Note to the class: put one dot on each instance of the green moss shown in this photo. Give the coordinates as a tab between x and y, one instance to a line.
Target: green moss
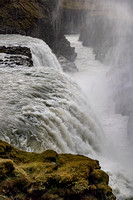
49	175
6	168
98	176
18	156
2	197
49	155
105	192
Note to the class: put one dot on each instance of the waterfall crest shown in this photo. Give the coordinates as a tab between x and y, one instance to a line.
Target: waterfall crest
41	53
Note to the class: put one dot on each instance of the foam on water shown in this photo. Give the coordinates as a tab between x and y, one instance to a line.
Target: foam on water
37	46
42	108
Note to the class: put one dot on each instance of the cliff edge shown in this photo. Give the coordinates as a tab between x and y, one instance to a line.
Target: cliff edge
50	176
36	18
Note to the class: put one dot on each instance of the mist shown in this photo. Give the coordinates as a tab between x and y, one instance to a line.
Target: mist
105	66
110	33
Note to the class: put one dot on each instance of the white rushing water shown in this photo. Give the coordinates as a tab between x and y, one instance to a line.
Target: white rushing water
37	46
95	80
42	108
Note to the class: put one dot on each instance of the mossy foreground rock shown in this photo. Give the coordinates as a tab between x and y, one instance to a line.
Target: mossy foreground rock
50	176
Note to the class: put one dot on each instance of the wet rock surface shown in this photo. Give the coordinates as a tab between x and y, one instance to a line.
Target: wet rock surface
15	56
67	65
35	18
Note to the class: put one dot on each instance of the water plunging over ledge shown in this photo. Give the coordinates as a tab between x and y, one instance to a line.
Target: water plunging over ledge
43	108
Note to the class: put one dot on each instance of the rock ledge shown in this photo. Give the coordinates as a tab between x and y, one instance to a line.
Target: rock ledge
15	56
50	176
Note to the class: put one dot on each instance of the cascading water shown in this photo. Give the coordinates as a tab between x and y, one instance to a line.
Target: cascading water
42	108
38	49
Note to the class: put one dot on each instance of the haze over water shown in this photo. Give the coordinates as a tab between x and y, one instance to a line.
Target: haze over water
109	86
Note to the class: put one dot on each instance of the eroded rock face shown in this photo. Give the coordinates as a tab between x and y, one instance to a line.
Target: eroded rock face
50	176
15	56
67	65
36	18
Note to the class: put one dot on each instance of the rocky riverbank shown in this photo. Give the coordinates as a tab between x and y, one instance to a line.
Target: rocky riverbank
50	176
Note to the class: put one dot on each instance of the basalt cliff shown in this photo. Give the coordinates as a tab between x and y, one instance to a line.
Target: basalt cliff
36	18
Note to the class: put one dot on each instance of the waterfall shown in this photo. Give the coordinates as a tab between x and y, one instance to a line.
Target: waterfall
42	108
37	47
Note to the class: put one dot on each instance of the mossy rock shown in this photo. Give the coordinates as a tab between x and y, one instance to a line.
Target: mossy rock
98	176
6	168
50	155
105	192
50	176
4	148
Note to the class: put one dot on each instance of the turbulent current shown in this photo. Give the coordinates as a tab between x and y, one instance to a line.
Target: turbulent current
43	108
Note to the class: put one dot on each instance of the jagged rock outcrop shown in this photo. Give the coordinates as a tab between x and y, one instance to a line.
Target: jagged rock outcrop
67	65
36	18
50	176
15	56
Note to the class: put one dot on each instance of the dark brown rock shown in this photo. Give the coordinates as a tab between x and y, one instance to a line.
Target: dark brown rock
16	56
36	18
67	65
